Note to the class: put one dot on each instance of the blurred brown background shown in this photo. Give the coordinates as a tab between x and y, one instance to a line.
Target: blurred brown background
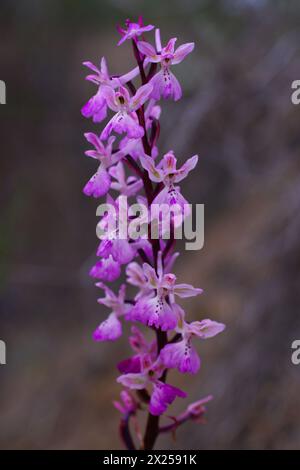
57	386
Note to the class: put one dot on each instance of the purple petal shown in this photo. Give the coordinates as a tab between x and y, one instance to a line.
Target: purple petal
206	328
162	396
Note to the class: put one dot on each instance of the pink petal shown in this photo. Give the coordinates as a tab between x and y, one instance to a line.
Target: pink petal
156	312
169	49
122	251
155	174
182	51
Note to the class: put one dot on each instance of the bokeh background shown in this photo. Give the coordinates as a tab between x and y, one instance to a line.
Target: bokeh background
236	113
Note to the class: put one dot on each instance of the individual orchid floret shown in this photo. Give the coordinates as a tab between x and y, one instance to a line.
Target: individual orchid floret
167	173
125	120
162	394
99	183
111	328
182	355
165	84
126	186
194	412
96	106
133	30
155	310
142	237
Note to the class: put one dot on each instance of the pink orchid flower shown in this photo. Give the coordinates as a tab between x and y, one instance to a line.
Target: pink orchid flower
182	355
154	310
111	328
167	173
125	120
99	184
164	82
127	403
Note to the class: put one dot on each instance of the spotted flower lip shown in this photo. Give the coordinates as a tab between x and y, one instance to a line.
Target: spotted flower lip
153	309
133	30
